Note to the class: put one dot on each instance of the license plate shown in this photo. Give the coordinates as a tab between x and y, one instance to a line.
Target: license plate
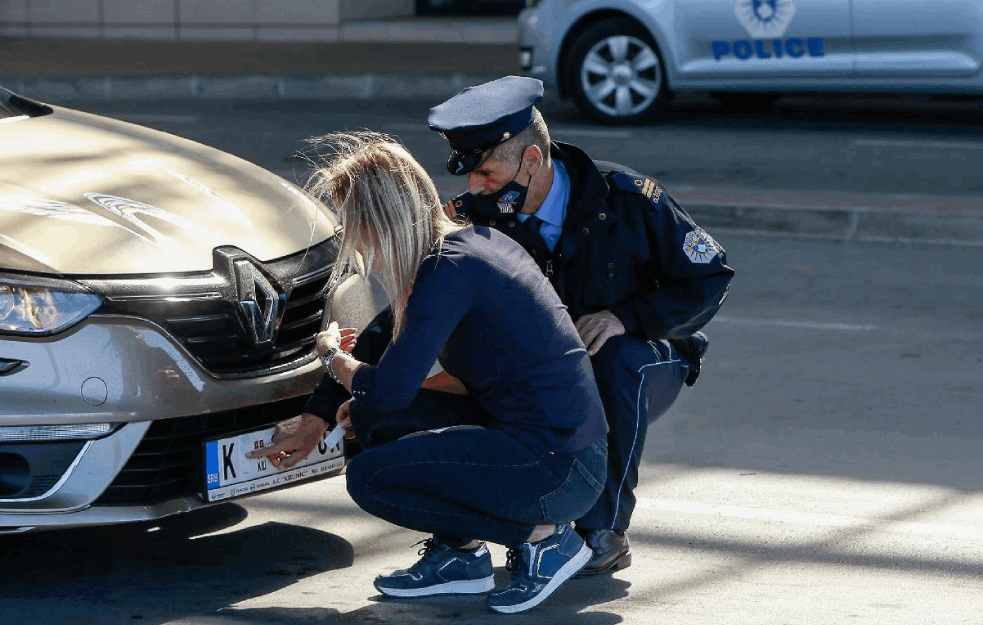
229	473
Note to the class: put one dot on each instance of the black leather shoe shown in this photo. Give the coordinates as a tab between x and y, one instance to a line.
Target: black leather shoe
611	552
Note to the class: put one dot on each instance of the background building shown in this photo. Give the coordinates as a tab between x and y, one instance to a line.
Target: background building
227	20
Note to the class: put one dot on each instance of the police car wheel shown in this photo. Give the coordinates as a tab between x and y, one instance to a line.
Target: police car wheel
616	74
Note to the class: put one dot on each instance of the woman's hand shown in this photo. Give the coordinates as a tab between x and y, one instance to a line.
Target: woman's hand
293	440
333	336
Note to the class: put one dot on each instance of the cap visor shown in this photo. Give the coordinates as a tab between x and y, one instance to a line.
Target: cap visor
460	164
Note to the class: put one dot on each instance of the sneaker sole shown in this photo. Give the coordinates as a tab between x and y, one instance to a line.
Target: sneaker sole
469	587
566	572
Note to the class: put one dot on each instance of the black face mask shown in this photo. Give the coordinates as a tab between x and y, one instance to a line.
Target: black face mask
507	200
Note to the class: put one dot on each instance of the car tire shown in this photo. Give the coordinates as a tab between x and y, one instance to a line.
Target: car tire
746	102
616	74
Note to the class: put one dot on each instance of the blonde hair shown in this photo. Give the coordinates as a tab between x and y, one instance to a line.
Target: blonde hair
388	207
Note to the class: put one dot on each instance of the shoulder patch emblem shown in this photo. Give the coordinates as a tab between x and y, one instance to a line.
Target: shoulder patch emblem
649	189
506	203
699	247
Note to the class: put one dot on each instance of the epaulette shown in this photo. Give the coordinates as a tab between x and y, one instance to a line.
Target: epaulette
458	204
639	184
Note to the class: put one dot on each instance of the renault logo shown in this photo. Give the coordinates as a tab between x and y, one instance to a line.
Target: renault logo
261	304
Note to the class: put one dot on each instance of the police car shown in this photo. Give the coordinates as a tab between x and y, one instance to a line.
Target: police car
621	59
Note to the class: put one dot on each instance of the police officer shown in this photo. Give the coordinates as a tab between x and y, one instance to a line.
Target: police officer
638	276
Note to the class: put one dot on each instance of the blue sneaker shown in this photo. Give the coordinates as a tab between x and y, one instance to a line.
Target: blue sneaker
441	571
538	569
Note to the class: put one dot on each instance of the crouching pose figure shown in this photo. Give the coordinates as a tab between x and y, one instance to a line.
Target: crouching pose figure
524	452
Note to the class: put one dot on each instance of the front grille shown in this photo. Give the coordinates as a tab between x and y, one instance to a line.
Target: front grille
170	463
213	333
206	314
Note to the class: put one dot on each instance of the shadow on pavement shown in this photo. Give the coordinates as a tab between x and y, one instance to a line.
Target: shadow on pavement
565	606
828	547
155	573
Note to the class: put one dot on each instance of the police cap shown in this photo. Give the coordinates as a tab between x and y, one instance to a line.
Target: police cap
481	117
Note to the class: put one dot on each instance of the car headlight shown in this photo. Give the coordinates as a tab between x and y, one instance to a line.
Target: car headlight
43	307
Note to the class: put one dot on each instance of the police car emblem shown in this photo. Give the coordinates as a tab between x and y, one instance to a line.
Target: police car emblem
699	247
764	19
506	203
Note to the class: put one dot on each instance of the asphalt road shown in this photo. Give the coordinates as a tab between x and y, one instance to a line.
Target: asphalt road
824	470
833	144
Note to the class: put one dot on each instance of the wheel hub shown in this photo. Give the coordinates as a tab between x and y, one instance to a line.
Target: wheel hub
622	74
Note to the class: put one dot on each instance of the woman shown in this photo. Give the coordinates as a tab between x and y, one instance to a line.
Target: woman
475	300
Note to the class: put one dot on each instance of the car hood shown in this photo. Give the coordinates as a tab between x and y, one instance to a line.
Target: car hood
82	194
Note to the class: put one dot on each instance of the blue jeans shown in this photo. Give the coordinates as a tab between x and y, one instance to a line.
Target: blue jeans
638	381
466	483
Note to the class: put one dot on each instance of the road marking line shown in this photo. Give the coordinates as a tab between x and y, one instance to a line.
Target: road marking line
149	118
889	143
815	236
815	519
813	325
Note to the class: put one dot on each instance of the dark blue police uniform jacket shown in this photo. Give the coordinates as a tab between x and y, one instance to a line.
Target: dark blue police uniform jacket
626	246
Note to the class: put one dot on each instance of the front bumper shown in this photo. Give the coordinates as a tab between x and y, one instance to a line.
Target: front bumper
128	372
131	372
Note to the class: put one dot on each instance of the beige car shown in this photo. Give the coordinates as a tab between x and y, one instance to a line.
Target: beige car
158	306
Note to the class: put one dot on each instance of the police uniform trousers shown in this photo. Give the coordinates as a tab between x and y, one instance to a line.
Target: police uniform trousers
638	380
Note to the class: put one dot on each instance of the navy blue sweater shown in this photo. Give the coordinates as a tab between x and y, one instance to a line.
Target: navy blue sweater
483	308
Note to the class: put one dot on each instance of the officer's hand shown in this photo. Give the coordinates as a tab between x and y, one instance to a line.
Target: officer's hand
344	419
293	440
596	328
